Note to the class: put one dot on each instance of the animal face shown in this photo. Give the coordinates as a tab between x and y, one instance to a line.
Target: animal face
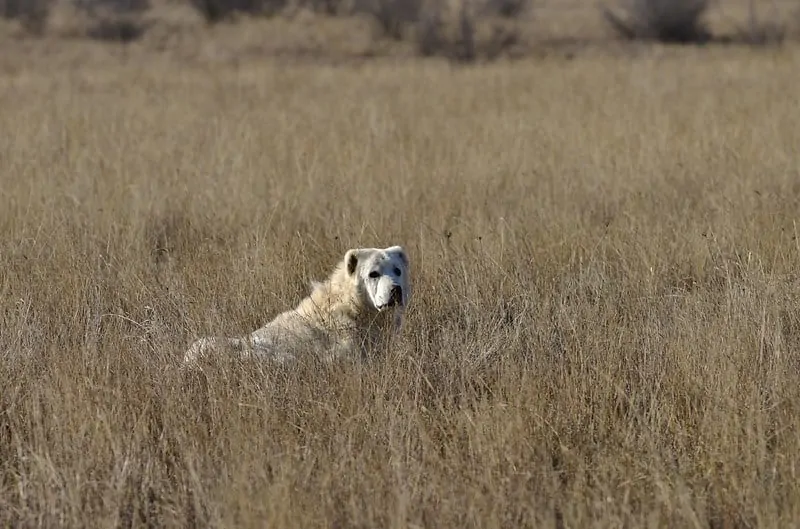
382	276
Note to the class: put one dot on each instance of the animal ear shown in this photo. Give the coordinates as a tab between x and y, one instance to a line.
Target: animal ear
351	261
399	252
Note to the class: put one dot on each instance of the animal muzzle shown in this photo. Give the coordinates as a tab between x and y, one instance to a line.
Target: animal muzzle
396	297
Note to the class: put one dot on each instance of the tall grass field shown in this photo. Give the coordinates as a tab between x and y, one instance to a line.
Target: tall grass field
605	258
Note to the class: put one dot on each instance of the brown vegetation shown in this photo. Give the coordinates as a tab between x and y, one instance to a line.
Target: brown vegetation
459	30
605	254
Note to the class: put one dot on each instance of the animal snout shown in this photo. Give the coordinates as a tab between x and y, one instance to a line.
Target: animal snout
396	297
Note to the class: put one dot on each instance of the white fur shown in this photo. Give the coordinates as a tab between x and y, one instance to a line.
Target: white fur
344	316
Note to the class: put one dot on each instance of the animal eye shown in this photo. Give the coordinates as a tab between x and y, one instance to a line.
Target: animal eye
373	274
397	271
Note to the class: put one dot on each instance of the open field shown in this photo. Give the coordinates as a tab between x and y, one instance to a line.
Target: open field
606	315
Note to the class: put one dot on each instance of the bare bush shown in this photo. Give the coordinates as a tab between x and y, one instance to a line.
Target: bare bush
326	7
31	14
678	21
429	36
121	30
465	41
218	10
112	20
459	31
463	36
506	8
115	6
394	17
760	32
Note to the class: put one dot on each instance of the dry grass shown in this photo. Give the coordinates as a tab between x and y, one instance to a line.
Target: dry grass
606	318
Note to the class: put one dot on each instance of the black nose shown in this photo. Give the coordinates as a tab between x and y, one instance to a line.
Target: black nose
397	296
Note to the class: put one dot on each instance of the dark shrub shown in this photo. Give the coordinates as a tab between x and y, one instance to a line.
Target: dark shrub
32	14
679	21
217	10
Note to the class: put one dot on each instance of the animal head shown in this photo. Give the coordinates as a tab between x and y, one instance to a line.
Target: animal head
381	276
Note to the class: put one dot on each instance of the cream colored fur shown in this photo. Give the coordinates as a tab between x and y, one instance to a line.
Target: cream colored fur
345	316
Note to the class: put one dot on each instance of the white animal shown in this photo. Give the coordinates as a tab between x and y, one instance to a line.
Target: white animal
355	309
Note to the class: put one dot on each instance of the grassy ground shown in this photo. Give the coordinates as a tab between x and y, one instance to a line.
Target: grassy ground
606	314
